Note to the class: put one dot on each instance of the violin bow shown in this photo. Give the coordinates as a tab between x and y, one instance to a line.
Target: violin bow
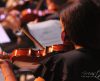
32	38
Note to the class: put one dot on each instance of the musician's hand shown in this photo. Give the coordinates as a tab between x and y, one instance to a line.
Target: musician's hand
39	79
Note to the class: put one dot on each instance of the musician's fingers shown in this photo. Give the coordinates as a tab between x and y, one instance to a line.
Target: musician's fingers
39	79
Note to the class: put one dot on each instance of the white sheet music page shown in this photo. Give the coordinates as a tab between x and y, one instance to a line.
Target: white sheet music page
47	33
4	38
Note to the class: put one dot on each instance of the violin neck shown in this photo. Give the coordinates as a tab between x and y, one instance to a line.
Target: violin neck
37	43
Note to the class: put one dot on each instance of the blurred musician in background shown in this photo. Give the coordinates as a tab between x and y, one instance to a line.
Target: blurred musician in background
11	25
54	7
20	4
52	11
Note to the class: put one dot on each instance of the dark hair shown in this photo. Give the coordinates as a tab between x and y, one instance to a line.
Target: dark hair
81	20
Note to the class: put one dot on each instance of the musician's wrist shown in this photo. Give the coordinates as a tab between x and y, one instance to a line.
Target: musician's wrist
39	79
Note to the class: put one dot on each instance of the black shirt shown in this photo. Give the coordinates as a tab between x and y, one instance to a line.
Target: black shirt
77	65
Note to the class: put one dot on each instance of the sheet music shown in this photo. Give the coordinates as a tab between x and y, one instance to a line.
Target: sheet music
47	33
4	38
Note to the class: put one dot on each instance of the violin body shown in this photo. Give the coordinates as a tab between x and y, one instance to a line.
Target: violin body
22	55
28	15
27	57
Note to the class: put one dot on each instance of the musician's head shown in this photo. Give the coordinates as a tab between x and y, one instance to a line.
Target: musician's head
81	22
55	5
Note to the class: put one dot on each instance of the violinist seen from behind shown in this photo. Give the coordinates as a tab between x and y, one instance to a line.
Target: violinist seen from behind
81	21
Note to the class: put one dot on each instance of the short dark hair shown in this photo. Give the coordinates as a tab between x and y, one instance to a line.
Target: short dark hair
81	20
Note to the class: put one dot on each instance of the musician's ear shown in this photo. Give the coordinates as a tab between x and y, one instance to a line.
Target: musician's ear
39	79
63	31
62	25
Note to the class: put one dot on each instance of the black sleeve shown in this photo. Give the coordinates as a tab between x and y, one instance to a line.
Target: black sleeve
54	69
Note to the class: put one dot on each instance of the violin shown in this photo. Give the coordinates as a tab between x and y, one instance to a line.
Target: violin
24	54
27	58
32	55
28	15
